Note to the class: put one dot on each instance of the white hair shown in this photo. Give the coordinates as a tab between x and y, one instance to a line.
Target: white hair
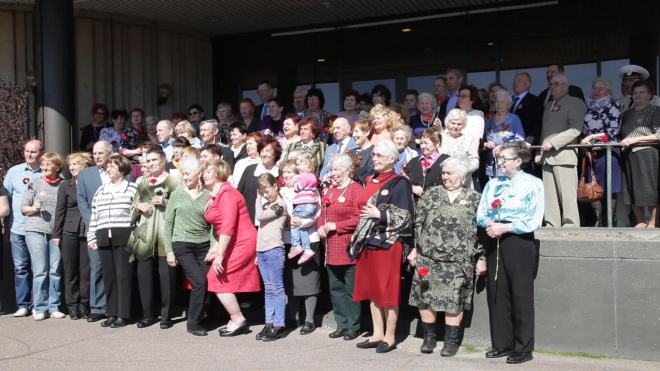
390	149
506	95
189	163
342	161
460	164
456	113
428	96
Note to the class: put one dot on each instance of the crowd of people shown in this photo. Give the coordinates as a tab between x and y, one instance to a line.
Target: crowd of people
431	190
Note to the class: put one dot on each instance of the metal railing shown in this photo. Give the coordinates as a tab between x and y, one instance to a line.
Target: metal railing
608	166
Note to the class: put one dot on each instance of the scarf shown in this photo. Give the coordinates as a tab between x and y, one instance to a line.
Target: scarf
598	104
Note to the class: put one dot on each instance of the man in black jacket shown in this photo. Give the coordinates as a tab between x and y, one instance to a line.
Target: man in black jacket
573	91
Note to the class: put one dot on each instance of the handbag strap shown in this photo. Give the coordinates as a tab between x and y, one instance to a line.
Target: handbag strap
591	164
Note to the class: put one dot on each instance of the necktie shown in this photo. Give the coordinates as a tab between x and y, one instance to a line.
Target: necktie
339	145
630	101
265	112
513	106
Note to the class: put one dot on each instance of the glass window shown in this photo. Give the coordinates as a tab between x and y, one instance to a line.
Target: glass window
331	95
423	84
481	79
611	69
583	76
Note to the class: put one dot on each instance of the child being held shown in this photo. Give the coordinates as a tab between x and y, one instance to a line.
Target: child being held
305	203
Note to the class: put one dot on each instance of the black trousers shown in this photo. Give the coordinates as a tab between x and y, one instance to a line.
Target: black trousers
146	270
511	297
191	259
75	263
117	278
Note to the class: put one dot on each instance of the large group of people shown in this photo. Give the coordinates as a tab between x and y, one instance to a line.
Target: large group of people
267	200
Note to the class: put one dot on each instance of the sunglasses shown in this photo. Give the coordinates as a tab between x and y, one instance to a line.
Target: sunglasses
193	113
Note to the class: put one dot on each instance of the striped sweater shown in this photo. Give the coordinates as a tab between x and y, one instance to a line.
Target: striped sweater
111	208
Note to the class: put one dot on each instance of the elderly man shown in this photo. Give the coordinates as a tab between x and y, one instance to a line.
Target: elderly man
528	107
16	182
208	132
164	133
630	74
558	69
563	119
343	142
266	93
299	101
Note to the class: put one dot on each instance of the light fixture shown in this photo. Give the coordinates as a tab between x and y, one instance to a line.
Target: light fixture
320	60
491	44
31	79
164	93
406	30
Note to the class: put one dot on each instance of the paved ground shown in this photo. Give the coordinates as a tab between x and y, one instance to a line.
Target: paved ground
78	345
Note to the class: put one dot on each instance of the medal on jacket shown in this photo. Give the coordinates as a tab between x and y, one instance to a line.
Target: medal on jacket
341	199
384	192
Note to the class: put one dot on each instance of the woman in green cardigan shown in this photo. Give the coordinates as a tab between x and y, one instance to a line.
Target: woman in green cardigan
187	234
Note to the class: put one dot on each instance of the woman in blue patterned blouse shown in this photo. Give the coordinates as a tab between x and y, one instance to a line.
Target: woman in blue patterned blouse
500	127
601	124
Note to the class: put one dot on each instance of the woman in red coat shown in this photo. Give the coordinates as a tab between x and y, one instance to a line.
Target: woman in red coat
234	254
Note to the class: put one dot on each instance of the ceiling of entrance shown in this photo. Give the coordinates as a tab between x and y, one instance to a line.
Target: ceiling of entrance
221	17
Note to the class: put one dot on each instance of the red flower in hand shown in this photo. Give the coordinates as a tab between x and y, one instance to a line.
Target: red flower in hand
153	181
496	203
423	271
603	138
426	164
26	180
325	200
427	117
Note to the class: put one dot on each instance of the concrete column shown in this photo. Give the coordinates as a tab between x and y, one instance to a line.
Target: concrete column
55	71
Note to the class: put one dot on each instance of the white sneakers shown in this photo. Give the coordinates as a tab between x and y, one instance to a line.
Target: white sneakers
39	316
22	312
57	314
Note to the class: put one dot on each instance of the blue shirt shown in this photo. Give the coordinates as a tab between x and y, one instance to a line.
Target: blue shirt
15	185
522	202
452	102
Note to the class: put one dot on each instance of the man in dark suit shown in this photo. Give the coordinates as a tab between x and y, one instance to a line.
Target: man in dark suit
573	91
266	93
454	80
89	181
528	107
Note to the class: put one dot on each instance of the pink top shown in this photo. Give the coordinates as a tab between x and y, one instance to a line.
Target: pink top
305	186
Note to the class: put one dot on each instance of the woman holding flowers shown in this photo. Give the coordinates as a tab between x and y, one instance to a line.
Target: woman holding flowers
511	209
445	254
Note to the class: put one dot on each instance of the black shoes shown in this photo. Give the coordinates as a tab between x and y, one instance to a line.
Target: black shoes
166	323
107	323
307	328
84	313
337	333
118	323
368	344
453	339
242	329
383	347
198	332
274	333
260	335
351	334
429	338
75	314
499	352
519	357
94	317
147	322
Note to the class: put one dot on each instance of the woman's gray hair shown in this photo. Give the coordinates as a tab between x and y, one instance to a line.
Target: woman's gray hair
605	81
226	106
189	163
342	161
390	149
457	114
407	131
460	164
428	96
151	119
506	95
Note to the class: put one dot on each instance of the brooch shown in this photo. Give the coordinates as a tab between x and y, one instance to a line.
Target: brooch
519	106
384	192
555	108
463	202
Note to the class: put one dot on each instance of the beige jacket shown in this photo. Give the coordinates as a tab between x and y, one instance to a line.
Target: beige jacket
562	124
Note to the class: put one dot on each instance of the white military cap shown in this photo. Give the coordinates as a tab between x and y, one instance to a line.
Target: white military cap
632	71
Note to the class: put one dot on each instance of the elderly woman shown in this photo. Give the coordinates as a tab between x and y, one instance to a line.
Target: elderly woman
455	143
339	219
402	136
362	132
246	108
39	203
446	251
272	123
601	124
474	126
269	153
225	115
185	129
510	210
427	116
350	111
109	229
290	128
252	150
379	242
425	171
187	236
152	122
315	104
383	122
309	128
640	163
147	242
500	127
114	134
69	235
234	254
90	133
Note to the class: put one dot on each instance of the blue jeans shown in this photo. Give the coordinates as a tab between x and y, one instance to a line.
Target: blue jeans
271	267
22	271
46	267
300	235
97	297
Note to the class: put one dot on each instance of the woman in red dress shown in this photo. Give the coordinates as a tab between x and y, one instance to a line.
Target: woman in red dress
234	254
378	243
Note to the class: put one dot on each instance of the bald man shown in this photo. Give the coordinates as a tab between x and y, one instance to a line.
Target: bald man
165	135
16	182
341	129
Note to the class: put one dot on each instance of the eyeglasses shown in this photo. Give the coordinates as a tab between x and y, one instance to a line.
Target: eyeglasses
550	86
377	155
193	113
503	159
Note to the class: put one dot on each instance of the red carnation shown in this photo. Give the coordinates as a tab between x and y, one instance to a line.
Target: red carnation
26	180
496	203
489	115
125	136
325	200
427	117
153	181
176	159
326	128
426	163
441	100
603	138
423	271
